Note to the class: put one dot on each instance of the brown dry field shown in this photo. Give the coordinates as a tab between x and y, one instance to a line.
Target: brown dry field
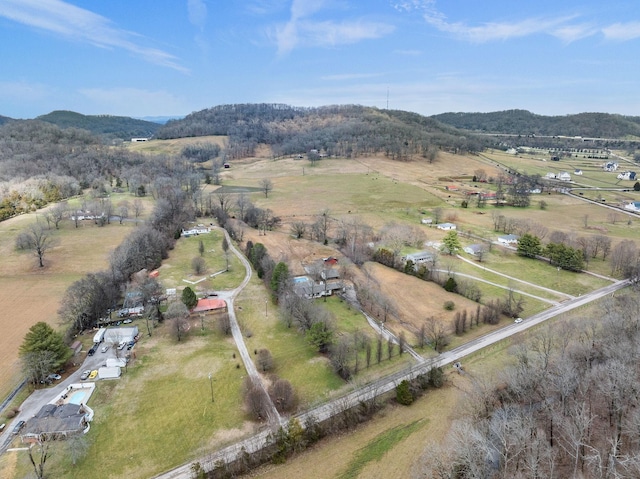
332	456
29	294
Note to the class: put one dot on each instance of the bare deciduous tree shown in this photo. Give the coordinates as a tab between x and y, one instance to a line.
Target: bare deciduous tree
37	239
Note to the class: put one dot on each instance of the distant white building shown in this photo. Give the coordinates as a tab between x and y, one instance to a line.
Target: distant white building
633	206
138	140
475	249
446	226
419	257
508	239
627	175
564	176
577	172
426	221
610	166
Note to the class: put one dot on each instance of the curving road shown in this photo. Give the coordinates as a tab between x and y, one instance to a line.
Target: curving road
274	417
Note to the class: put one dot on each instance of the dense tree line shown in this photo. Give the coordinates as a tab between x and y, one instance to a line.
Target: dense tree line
88	299
347	131
42	163
567	408
104	126
522	122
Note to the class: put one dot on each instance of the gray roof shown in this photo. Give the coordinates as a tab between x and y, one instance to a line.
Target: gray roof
51	419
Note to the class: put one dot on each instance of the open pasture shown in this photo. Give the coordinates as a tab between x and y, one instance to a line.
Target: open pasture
30	294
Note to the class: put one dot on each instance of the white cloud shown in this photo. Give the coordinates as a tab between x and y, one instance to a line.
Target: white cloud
132	102
197	11
301	30
76	23
622	31
497	30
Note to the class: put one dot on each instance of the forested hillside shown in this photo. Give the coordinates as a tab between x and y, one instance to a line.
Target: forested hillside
522	122
347	130
5	119
41	163
108	126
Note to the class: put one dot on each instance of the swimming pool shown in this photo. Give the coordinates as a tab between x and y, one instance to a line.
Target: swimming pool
79	397
301	279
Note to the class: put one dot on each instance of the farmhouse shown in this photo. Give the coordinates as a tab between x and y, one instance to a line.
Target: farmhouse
54	422
426	221
419	257
627	175
508	239
210	305
474	249
446	226
633	206
564	176
610	166
195	231
311	290
550	176
577	172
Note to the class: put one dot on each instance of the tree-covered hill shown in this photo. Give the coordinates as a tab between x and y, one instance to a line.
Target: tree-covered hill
522	122
5	119
344	130
103	125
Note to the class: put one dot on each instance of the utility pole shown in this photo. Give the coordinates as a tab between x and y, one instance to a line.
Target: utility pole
211	383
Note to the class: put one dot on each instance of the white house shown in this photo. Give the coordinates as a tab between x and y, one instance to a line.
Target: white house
550	176
446	226
610	166
426	221
577	172
508	239
564	176
138	140
627	175
633	206
419	257
195	231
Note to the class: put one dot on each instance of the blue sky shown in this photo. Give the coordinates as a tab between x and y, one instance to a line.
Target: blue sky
151	58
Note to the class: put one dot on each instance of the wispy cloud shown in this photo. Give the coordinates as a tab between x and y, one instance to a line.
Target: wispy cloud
76	23
562	27
498	30
301	30
622	31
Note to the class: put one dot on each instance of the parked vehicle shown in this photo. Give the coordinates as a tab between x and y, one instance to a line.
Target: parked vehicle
93	374
105	348
127	321
518	320
54	377
85	374
93	349
19	425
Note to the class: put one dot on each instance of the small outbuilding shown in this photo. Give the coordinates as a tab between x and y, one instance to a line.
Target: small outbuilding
109	372
210	305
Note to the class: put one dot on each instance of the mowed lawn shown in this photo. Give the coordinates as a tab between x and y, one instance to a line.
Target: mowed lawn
160	413
30	294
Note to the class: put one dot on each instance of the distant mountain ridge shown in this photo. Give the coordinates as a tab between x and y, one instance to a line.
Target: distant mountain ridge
122	127
523	122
